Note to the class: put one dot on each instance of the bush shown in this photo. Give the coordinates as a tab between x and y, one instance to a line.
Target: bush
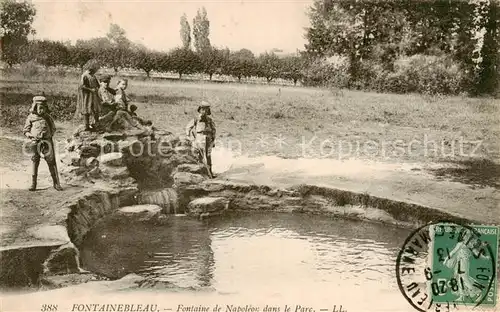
323	72
61	71
63	107
367	74
419	73
15	108
29	69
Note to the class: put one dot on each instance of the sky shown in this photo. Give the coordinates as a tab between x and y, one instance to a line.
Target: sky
257	25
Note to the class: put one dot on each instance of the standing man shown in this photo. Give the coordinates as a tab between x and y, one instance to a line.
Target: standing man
40	128
89	102
202	130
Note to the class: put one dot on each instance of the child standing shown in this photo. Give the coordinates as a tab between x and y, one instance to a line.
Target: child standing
40	128
88	97
202	129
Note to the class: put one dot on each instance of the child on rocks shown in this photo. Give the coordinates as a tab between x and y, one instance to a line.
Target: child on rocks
122	118
40	128
121	98
107	96
89	102
108	105
202	130
133	109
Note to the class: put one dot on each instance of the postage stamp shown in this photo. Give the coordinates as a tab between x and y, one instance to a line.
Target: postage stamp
443	266
463	264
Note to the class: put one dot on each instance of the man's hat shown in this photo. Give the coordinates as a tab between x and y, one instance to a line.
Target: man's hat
39	98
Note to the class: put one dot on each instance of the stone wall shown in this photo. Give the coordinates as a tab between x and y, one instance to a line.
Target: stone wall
213	198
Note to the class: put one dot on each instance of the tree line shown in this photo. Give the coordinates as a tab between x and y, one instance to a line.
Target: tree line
460	38
124	54
196	55
399	46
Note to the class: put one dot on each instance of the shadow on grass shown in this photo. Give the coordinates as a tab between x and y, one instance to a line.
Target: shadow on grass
480	172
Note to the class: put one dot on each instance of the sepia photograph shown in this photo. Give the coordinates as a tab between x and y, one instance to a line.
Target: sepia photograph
249	155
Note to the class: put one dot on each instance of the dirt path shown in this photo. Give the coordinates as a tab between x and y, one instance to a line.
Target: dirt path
20	208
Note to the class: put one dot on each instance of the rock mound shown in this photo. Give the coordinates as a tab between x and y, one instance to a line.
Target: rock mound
145	159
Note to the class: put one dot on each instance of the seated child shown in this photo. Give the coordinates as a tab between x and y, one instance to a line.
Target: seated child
107	96
121	97
133	113
122	118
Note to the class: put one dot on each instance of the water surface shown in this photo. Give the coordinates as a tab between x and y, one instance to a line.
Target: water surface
266	253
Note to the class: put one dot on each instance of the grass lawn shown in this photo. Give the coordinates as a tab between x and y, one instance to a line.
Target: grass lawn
297	122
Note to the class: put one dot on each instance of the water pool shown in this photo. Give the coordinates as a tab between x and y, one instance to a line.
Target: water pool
266	253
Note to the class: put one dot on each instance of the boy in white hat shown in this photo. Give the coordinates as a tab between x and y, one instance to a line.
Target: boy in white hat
202	130
40	128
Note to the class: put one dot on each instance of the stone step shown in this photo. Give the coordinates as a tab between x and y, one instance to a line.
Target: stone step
186	178
205	207
111	159
142	212
192	168
115	173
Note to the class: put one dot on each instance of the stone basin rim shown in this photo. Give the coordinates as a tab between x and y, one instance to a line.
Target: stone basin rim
298	191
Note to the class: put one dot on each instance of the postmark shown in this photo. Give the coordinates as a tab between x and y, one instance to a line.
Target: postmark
444	265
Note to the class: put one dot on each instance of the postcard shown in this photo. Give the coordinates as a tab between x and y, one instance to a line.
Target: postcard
249	156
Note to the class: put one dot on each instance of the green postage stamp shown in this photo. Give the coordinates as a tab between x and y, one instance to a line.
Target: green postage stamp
463	261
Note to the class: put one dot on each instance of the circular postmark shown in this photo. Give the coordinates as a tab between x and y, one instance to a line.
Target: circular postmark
443	265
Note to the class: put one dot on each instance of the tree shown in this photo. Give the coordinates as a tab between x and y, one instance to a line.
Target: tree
338	28
381	31
201	31
79	54
269	66
319	37
292	68
83	51
99	48
184	61
95	45
115	57
16	19
144	59
489	67
185	32
49	53
117	36
117	53
213	61
241	64
163	62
